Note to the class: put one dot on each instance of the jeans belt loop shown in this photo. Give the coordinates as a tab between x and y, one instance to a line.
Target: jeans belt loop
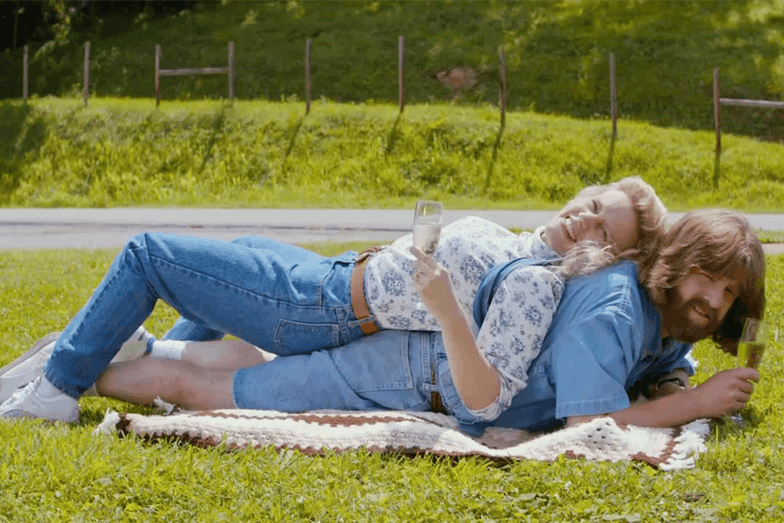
358	302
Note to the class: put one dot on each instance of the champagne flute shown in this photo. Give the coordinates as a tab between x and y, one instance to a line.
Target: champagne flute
427	226
751	345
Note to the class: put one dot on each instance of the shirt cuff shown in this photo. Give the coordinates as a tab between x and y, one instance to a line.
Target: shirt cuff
499	405
488	413
592	407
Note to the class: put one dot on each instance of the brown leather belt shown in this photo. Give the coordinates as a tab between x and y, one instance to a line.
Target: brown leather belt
436	403
358	302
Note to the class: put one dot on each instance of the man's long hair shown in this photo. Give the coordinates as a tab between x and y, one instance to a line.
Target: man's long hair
717	241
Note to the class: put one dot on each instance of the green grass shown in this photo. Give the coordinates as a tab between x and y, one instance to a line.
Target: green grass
64	473
124	152
556	55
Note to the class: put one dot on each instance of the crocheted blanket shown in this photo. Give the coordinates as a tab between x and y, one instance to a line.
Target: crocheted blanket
400	432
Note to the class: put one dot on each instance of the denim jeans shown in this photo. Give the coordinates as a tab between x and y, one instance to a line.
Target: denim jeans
387	370
283	298
392	369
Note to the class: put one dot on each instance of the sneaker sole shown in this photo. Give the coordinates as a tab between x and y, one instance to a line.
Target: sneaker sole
6	389
20	414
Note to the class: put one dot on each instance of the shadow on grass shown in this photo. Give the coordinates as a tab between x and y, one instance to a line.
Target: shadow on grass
23	131
609	165
293	139
491	166
217	131
393	136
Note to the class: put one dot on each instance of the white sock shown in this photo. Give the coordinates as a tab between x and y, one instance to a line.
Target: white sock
47	390
168	349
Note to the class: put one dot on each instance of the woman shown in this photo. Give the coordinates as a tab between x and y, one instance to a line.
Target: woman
298	303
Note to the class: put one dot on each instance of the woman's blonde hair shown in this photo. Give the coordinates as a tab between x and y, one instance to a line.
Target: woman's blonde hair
586	257
717	241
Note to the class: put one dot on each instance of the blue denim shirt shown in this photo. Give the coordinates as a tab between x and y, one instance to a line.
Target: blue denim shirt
604	338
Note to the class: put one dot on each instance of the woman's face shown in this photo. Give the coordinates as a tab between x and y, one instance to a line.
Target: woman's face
606	219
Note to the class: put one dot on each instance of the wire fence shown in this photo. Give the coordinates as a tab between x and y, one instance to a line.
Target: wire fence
459	79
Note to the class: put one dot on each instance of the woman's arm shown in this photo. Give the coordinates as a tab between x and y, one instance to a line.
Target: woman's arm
476	380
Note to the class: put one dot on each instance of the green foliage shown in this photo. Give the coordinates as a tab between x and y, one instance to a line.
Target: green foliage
65	473
556	55
270	154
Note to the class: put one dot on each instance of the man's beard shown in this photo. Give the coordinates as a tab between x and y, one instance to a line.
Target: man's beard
675	317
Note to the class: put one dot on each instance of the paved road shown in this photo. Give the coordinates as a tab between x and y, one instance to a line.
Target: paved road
96	228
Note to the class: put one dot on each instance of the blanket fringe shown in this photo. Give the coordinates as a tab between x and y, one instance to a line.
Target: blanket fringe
109	424
689	444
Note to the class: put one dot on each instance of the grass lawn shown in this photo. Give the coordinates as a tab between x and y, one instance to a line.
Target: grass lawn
256	154
64	473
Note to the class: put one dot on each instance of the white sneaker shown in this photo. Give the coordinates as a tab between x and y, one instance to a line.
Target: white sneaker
27	402
26	367
31	364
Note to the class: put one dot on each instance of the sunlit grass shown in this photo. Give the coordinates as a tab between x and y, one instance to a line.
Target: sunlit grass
64	473
264	154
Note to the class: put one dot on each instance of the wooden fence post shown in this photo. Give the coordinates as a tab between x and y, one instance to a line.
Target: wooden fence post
717	123
307	75
86	88
231	71
157	75
401	80
502	94
613	98
717	109
25	67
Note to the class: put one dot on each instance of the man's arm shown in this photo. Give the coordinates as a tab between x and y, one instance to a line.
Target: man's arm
724	393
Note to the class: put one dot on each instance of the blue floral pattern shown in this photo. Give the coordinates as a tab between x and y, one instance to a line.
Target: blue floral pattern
514	329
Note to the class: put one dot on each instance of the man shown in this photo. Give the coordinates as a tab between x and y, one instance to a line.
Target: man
626	325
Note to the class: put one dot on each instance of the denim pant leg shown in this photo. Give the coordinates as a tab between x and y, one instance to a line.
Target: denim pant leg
264	296
187	330
386	370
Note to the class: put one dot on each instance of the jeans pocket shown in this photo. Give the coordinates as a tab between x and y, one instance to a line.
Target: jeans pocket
376	363
294	337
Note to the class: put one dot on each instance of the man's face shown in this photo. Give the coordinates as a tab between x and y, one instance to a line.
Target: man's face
697	306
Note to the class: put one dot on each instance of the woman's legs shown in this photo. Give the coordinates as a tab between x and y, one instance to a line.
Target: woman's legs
224	354
282	298
142	381
188	330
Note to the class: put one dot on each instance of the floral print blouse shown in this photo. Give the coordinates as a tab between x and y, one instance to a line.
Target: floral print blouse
518	317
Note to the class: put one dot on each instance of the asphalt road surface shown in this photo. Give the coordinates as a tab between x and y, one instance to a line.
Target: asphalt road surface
103	228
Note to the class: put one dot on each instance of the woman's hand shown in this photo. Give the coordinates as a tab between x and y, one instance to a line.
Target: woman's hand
476	380
433	283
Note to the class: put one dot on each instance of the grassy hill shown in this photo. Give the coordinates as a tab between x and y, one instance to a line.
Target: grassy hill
556	55
125	152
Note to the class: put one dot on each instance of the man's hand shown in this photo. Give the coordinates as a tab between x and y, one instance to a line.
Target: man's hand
726	392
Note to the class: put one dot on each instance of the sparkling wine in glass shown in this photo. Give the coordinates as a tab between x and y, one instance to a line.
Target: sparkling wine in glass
427	226
751	345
